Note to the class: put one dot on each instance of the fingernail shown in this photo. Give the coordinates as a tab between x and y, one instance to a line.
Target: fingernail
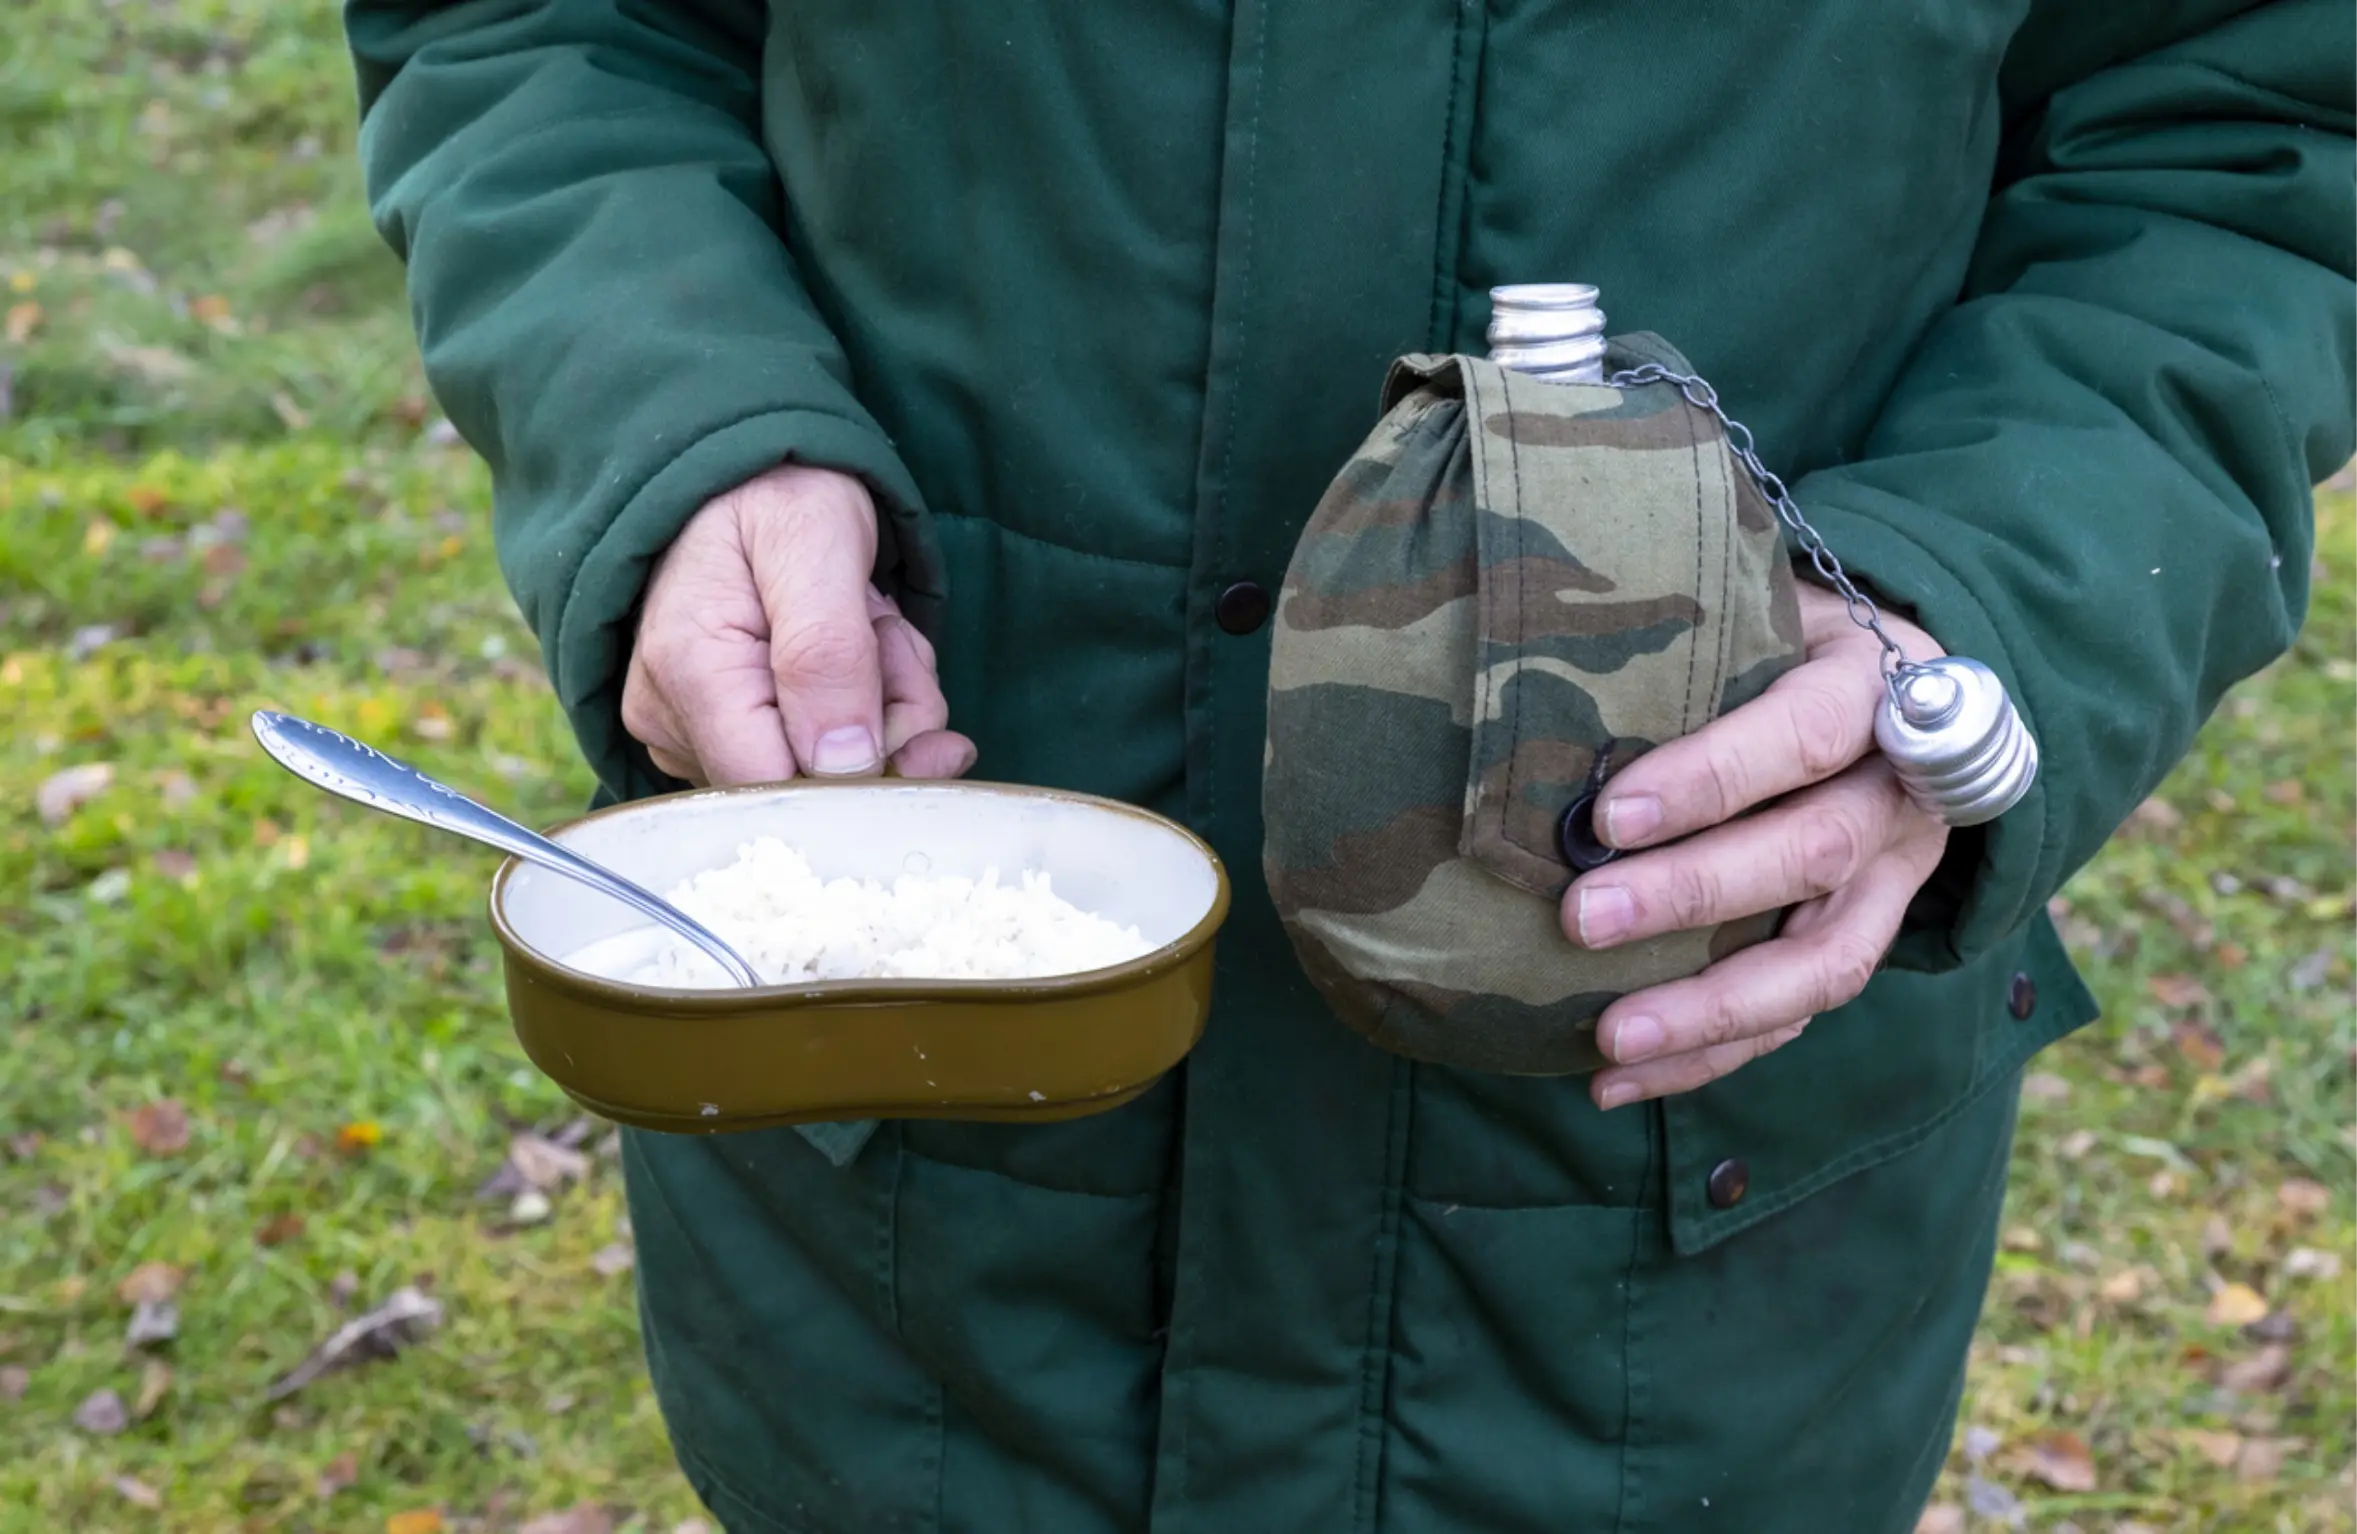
1630	819
844	753
1618	1094
1605	912
1637	1038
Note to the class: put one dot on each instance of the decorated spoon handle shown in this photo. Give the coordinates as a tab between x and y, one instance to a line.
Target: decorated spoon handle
334	761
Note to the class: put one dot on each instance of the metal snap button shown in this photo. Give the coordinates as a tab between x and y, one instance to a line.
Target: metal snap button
1729	1181
1243	607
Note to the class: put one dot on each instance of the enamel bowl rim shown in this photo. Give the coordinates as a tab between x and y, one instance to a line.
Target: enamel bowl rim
701	1002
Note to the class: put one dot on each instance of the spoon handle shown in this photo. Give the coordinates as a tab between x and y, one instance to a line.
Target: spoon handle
334	761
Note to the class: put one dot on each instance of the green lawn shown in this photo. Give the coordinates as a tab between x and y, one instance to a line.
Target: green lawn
221	487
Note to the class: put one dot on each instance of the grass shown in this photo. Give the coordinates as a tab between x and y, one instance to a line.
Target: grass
221	488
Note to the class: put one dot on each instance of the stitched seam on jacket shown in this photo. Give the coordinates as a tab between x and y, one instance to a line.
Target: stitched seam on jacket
1062	548
1375	1353
1635	1392
1440	328
714	1488
936	1402
1175	1390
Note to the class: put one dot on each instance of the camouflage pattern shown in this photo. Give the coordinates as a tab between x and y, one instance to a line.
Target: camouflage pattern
1508	577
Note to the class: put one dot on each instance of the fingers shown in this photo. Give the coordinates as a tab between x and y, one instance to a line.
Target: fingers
913	704
1810	724
698	692
1812	844
1683	1073
1674	1037
811	549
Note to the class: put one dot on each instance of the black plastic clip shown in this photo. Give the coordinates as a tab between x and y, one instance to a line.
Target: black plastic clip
1575	833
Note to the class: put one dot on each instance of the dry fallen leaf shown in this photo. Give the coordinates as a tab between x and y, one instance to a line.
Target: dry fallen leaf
338	1474
2159	814
23	319
2262	1458
2179	991
15	1380
152	1321
2304	1196
2061	1460
2219	1448
2077	1144
2217	1236
530	1208
433	724
138	1493
2045	1087
102	1412
2124	1287
154	1380
160	1128
2259	1374
2198	1043
544	1164
1942	1519
691	1526
2235	1305
150	1283
278	1230
67	791
2307	1262
586	1518
211	309
174	864
423	1521
405	1317
613	1259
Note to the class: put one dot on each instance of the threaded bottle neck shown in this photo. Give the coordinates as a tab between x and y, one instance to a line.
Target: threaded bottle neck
1550	330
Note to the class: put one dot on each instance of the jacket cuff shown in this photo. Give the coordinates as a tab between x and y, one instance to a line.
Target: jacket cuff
588	644
1990	884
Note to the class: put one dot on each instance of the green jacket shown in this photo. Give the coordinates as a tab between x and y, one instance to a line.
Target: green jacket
2044	306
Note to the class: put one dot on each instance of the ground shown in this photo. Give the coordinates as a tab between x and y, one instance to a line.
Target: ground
253	1064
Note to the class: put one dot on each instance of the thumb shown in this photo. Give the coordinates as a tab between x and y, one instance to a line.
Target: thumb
810	536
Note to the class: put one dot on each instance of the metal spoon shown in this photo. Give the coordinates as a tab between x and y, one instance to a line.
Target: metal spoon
332	760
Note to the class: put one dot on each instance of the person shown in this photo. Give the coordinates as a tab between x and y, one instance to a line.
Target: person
945	387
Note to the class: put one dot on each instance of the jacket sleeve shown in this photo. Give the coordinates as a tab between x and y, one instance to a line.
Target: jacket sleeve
2095	475
606	302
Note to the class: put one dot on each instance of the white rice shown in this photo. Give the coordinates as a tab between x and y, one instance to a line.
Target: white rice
793	927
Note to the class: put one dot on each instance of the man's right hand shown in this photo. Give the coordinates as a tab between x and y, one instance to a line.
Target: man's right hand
764	653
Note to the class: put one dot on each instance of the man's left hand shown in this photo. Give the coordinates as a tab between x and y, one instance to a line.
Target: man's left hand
1844	847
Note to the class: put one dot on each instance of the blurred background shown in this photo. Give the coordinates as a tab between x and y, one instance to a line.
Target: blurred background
291	1237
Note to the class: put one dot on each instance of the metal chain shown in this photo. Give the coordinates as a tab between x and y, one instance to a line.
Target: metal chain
1863	612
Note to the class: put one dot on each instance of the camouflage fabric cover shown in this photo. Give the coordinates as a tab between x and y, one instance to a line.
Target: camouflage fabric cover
1509	576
